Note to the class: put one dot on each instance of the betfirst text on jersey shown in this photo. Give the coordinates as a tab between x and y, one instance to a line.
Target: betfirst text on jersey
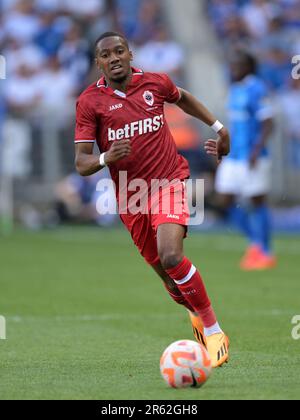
148	125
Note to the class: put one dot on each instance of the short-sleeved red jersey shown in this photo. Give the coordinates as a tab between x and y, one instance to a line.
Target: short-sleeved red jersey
104	116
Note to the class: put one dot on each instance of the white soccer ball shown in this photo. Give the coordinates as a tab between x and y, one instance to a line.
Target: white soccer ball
185	364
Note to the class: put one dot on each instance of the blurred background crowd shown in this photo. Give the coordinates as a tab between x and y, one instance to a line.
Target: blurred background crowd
269	29
48	47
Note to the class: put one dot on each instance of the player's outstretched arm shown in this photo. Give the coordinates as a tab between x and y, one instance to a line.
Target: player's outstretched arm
88	164
190	105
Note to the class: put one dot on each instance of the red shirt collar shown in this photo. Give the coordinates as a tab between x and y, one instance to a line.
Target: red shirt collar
136	74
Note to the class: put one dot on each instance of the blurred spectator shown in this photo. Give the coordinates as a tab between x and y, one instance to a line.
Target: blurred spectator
220	12
84	10
273	24
74	55
290	10
2	33
76	199
150	17
101	22
22	91
57	88
50	35
18	54
15	155
47	5
22	95
276	68
161	54
127	14
278	36
8	4
235	32
257	15
21	22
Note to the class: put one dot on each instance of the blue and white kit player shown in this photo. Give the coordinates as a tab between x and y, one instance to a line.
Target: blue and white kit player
246	173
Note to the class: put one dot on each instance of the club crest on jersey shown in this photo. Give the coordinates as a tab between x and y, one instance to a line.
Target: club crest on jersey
148	98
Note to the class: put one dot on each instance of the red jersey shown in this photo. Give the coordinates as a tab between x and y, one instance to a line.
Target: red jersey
104	116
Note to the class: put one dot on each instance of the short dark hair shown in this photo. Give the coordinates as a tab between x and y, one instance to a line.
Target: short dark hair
109	35
247	57
251	61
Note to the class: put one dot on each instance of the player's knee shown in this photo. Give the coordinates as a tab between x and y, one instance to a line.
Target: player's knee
170	259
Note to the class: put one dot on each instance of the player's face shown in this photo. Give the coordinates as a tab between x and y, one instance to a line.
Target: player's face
113	58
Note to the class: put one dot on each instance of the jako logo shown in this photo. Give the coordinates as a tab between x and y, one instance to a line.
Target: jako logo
2	68
296	329
296	69
172	216
115	107
2	328
149	125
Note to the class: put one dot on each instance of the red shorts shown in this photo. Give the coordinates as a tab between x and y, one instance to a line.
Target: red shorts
168	205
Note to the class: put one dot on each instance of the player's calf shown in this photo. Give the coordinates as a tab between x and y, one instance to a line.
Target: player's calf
171	287
176	295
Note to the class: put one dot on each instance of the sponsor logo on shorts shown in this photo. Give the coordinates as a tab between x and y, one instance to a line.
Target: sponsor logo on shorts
172	216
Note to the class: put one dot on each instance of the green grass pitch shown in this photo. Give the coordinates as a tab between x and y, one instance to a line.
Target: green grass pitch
87	319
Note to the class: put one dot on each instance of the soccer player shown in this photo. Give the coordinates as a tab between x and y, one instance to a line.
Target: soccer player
245	173
123	113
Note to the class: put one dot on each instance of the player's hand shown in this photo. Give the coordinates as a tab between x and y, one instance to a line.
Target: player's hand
119	150
219	147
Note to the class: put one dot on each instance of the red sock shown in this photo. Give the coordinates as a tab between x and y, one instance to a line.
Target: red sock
178	298
191	286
